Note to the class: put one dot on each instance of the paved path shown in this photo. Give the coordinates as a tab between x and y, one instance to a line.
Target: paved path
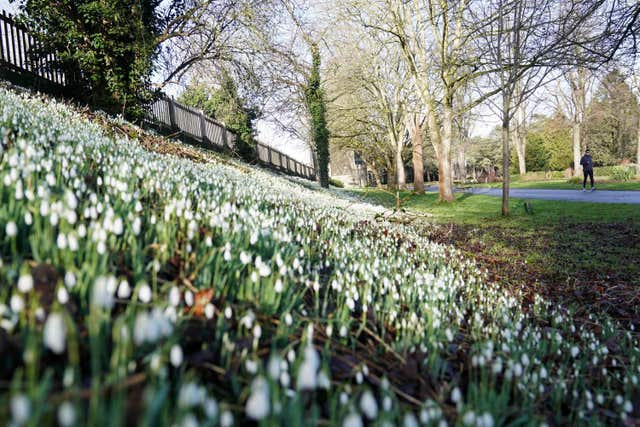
598	196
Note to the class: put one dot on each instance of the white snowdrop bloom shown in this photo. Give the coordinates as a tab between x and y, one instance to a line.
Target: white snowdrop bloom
40	314
627	407
263	268
285	379
456	395
359	377
251	366
174	296
352	420
368	405
25	283
278	286
273	366
449	334
209	311
210	407
226	419
343	331
228	312
69	279
28	218
189	298
124	290
144	293
103	290
245	258
288	320
574	351
55	333
254	277
62	295
136	226
257	331
61	241
227	253
469	418
190	395
11	229
387	403
409	420
16	303
175	355
323	380
20	409
66	414
307	378
257	406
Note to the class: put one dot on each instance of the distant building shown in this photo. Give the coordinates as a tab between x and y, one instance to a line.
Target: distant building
348	167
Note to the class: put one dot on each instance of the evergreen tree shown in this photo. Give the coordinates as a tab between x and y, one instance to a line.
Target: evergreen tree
105	47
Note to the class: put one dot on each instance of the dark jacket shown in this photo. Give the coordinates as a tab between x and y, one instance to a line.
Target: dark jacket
587	162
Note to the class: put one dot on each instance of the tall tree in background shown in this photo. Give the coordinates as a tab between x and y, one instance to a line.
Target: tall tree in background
611	120
635	86
105	47
316	105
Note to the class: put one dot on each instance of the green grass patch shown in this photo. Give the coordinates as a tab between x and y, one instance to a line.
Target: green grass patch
476	209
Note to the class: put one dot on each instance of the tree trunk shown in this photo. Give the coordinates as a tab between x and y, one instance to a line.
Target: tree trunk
444	159
506	111
520	144
401	180
576	129
418	160
638	154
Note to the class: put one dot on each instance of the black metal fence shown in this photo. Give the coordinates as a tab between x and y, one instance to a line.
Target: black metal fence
17	62
16	47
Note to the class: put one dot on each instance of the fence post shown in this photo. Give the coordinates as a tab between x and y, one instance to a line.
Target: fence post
172	114
269	153
203	128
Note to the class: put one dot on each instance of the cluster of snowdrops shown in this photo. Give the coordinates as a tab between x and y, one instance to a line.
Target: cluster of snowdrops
147	289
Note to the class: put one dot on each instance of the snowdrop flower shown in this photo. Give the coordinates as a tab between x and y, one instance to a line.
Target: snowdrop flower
136	226
352	420
69	279
66	414
124	290
25	283
174	296
456	395
63	295
210	406
245	258
209	311
574	351
288	320
20	409
410	420
55	332
103	290
11	229
176	356
278	287
226	419
228	312
145	293
323	381
368	405
188	298
16	303
257	406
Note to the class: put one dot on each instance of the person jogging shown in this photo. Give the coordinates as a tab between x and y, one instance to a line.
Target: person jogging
587	168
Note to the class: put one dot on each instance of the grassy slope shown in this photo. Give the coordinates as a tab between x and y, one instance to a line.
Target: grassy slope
174	289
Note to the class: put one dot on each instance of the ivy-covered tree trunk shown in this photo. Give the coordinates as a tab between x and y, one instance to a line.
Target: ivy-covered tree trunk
314	98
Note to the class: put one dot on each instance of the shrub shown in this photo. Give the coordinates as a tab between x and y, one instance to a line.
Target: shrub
336	182
621	173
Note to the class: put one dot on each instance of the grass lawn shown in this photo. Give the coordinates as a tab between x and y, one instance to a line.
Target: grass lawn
583	253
